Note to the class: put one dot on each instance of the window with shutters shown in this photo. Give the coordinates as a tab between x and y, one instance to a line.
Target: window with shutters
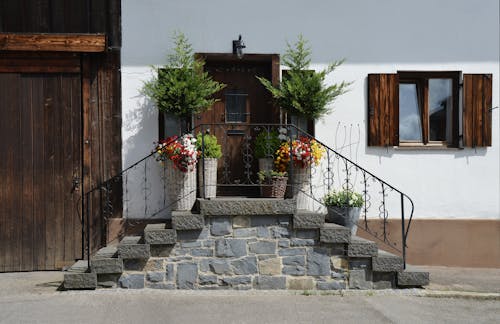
423	109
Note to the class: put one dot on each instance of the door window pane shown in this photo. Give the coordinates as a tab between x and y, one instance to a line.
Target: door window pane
410	125
236	104
440	109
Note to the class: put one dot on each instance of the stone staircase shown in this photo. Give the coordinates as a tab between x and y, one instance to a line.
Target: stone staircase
239	243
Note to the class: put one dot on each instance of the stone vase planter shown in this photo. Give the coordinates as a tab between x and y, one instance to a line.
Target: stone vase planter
266	164
181	187
345	216
207	184
301	187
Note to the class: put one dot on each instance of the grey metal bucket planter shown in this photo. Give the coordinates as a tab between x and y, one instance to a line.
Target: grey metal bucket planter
345	216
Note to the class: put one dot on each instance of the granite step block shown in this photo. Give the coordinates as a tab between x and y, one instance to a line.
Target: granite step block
77	277
387	262
107	265
131	247
187	221
304	219
106	253
247	206
333	233
359	247
411	278
159	234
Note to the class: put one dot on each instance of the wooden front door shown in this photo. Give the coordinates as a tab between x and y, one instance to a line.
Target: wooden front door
242	104
40	164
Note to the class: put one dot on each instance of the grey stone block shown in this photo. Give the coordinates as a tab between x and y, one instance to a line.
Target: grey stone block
270	282
333	233
360	263
412	278
303	220
247	207
245	266
263	232
292	251
359	247
263	247
155	276
302	242
190	244
160	285
300	283
283	243
358	280
245	232
209	243
108	280
106	253
207	279
296	260
76	280
159	234
132	281
169	272
220	226
330	285
107	266
131	248
181	252
318	262
338	275
295	270
187	275
230	248
160	250
280	232
134	264
387	262
202	252
307	234
239	280
186	221
193	235
216	266
384	280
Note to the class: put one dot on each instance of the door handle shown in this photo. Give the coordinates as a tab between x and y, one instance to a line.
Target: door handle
76	185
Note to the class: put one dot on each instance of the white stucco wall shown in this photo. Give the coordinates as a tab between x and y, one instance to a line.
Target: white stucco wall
381	36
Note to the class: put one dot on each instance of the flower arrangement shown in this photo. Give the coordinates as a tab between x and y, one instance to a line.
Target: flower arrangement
343	198
180	150
305	151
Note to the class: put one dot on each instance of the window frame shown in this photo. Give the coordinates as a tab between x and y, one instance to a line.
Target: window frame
421	79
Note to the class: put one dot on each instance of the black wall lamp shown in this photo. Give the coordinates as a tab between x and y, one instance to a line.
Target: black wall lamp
238	47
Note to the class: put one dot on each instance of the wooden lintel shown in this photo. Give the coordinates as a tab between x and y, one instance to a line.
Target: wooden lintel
89	43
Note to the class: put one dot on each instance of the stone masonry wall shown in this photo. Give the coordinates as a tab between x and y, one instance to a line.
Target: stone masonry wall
242	252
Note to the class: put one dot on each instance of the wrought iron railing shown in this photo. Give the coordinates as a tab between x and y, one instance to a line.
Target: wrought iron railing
141	190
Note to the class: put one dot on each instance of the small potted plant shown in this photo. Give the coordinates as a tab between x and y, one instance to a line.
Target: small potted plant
344	208
272	183
209	151
267	143
179	156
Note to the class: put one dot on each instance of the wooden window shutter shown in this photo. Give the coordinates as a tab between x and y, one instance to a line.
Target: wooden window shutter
477	92
383	110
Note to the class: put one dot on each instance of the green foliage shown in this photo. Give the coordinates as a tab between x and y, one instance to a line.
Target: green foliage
211	149
266	175
266	144
181	87
303	92
343	198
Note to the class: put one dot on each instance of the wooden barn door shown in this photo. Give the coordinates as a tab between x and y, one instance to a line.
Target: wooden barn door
40	163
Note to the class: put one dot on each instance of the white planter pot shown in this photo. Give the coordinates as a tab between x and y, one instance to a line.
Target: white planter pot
181	187
208	183
301	187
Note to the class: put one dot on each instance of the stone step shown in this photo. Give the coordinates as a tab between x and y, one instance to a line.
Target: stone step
412	278
387	262
187	221
360	247
242	206
77	277
106	253
132	247
333	233
159	234
304	219
107	266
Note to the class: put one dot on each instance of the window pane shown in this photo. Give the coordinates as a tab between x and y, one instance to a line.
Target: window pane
440	109
236	107
410	126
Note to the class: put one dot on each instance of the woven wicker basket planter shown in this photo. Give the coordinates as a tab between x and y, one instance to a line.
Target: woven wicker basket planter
181	187
208	182
274	188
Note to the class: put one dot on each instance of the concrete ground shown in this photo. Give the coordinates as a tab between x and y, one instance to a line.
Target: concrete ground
33	298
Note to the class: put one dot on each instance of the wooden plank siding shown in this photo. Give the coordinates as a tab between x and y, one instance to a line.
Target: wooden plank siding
477	112
53	42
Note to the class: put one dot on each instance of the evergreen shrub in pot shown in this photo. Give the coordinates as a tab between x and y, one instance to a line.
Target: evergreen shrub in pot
209	151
